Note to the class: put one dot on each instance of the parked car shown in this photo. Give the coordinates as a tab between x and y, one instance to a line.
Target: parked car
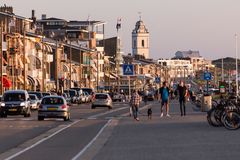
67	97
15	102
88	97
117	97
54	107
150	96
73	95
46	94
83	97
88	90
38	94
34	101
102	100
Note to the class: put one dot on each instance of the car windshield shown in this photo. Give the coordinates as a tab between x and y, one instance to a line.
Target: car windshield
33	97
101	96
14	97
52	100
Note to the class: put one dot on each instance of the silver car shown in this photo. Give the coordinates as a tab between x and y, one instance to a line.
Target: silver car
102	100
34	101
54	107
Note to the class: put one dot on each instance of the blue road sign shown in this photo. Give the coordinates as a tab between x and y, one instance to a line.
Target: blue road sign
207	76
157	79
128	70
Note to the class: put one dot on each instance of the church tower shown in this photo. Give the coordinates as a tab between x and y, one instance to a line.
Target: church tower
140	40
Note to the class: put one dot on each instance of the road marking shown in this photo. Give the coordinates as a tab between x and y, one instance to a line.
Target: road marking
92	141
108	112
41	141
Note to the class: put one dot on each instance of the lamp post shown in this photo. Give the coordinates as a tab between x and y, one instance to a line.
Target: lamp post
1	53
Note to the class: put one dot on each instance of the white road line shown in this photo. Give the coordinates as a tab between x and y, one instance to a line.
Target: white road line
41	141
92	141
102	114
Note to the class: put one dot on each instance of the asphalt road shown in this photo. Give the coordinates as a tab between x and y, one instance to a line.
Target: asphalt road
103	134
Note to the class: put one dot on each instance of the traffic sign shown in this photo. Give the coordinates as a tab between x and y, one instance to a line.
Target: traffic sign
128	69
157	79
207	76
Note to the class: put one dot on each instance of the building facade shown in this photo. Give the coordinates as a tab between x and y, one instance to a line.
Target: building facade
140	40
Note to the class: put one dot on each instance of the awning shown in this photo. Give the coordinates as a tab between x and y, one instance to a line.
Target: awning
20	79
31	80
37	82
47	48
38	45
6	82
20	62
65	68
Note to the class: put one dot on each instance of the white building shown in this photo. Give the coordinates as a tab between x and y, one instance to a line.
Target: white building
176	68
140	40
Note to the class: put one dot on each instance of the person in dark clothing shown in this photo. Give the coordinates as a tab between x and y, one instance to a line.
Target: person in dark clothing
182	93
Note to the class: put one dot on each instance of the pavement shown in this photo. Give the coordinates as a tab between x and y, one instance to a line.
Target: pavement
103	134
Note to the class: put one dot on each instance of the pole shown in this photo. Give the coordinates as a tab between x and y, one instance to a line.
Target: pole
229	81
56	64
70	58
1	52
129	87
80	75
222	71
24	56
97	71
109	76
89	69
43	66
236	38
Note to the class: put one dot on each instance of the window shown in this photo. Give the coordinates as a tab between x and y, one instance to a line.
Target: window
142	43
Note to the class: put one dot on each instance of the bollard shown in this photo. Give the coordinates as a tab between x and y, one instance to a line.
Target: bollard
206	103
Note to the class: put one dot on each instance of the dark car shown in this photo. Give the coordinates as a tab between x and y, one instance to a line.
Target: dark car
15	102
54	107
73	94
38	94
46	94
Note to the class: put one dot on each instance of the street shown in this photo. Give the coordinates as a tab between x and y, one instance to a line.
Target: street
111	134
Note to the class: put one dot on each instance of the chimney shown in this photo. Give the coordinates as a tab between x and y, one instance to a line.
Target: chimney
44	16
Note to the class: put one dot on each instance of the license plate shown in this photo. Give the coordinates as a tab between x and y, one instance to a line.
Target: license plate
12	110
52	109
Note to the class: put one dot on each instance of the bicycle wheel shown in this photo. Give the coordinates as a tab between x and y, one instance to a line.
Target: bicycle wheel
231	120
211	118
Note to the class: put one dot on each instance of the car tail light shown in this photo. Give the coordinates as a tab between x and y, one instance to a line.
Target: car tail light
63	106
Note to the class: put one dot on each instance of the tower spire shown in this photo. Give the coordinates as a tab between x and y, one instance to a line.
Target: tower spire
140	15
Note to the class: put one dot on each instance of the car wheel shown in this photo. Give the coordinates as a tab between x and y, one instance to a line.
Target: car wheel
40	118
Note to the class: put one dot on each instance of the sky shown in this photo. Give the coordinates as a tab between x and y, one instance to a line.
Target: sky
208	26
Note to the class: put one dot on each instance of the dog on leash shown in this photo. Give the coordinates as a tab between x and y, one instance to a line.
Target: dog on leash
149	112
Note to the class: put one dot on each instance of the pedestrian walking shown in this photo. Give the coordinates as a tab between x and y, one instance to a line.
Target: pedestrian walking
145	98
182	92
135	102
164	98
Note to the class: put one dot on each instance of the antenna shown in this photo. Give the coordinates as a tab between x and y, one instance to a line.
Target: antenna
140	15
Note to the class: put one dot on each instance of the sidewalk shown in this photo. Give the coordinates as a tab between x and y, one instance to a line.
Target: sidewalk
173	138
